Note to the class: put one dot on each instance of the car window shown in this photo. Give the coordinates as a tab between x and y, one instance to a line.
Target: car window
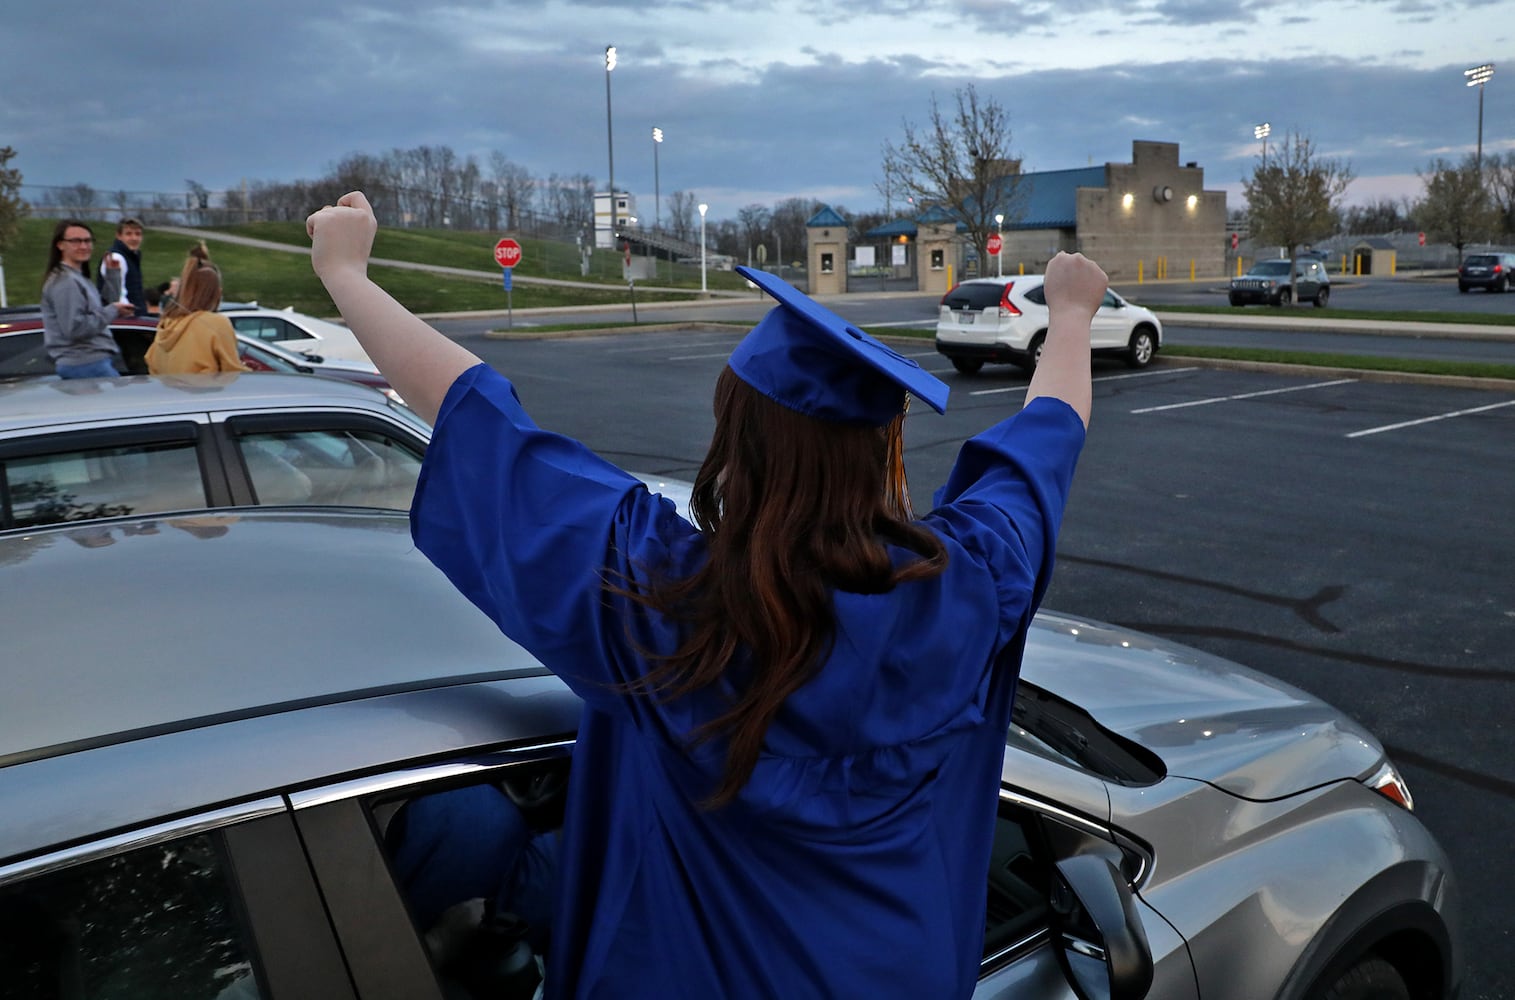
1481	259
1271	267
1017	885
160	921
1110	301
23	355
1037	295
333	467
75	484
971	296
267	328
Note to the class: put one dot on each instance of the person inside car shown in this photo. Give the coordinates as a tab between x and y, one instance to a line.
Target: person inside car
193	338
75	322
787	769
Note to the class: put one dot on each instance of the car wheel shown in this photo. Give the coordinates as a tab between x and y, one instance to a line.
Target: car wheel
1285	297
1501	286
1371	979
1033	356
1139	353
1462	288
1236	301
966	366
1322	297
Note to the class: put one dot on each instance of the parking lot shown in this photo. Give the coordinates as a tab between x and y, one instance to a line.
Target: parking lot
1347	536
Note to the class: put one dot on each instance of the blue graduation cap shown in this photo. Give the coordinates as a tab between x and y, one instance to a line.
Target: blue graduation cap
807	358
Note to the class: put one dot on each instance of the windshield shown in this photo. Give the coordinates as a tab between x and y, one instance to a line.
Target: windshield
1481	259
1271	268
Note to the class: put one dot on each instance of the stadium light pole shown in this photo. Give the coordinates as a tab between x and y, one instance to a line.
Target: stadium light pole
1477	77
703	208
610	60
1262	132
657	194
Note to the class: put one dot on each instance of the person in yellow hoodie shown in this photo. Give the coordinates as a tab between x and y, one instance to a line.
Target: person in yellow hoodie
192	336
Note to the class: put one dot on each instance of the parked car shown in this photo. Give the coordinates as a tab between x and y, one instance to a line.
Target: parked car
23	355
295	331
90	449
1267	283
1492	272
1005	320
193	814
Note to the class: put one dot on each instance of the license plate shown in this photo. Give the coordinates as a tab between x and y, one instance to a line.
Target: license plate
966	317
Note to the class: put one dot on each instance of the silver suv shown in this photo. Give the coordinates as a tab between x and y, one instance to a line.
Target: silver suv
1267	283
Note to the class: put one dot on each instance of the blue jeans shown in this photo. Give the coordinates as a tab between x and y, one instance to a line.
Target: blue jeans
104	368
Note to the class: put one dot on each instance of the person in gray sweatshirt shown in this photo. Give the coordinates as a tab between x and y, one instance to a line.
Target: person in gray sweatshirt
75	322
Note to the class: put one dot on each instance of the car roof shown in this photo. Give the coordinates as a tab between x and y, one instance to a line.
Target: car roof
173	619
38	402
160	665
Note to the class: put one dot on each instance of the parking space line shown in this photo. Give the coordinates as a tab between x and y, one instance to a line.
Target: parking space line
1102	378
699	357
1244	395
657	347
1431	419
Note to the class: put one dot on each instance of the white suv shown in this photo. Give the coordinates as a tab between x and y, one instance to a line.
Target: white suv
1005	320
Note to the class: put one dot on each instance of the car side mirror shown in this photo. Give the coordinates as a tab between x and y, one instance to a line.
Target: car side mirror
1100	940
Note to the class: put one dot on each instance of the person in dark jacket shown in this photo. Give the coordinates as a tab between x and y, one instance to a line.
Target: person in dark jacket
126	254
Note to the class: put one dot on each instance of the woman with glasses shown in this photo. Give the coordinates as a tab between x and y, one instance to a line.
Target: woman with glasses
75	322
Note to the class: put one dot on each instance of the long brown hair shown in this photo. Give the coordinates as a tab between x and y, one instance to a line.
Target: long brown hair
54	255
199	285
792	508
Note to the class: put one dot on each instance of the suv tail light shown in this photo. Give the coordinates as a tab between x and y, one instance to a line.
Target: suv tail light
1498	268
947	293
1006	307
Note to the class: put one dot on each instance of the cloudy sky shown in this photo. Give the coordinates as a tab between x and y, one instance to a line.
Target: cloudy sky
759	101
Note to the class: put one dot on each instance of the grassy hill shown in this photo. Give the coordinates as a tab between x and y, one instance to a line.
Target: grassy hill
278	279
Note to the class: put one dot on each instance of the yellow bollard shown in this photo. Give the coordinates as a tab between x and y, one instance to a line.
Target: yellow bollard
1238	267
1023	268
1138	272
1191	268
949	276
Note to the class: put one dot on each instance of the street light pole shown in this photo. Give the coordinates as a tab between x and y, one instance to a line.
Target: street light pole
1262	132
1477	77
703	207
609	138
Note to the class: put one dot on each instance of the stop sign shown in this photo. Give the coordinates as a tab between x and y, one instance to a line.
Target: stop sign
507	252
993	244
1422	239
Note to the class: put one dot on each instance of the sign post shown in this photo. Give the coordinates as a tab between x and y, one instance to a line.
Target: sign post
507	254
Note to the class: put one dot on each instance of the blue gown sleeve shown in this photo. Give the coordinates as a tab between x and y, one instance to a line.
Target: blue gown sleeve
524	523
1004	499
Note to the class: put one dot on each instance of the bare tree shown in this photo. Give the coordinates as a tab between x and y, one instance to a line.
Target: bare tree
13	207
960	161
513	187
78	200
1499	177
1455	208
1383	215
681	211
788	222
754	221
1293	198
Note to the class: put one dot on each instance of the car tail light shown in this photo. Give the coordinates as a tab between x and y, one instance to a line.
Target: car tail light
947	293
1387	782
1006	307
1498	268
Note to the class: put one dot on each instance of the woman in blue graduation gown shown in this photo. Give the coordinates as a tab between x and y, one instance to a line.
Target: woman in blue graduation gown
788	765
